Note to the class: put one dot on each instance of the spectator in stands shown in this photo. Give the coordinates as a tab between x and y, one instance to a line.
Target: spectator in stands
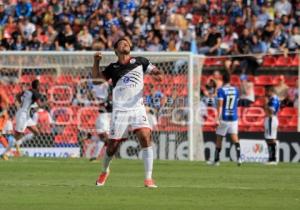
3	15
228	39
26	27
147	19
127	7
283	7
212	42
19	44
66	15
23	9
39	7
278	43
293	42
282	88
155	99
210	96
85	38
155	45
49	16
10	7
34	43
66	40
247	96
263	17
57	7
257	46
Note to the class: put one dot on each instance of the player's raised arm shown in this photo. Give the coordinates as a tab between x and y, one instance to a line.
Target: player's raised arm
96	73
149	68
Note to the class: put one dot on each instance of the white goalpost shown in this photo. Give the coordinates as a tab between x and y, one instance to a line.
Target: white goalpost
178	134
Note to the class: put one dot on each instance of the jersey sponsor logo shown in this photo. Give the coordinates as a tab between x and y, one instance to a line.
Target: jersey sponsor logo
126	79
132	61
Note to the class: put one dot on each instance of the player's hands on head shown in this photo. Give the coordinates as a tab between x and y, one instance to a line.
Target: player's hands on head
98	56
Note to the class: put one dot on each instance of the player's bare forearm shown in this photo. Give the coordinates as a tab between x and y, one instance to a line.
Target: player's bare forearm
157	74
219	111
96	73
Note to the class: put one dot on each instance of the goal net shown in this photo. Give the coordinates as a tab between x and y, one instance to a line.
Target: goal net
67	123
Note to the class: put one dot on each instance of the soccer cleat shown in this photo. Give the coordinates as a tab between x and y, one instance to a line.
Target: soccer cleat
102	179
239	162
149	183
271	163
93	159
18	151
213	163
4	157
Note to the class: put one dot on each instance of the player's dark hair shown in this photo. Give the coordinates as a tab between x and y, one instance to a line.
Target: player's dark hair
270	88
35	84
119	40
226	77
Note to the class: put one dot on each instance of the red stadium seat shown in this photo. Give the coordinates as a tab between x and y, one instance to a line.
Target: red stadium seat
87	117
235	80
295	61
26	78
259	91
284	61
293	122
264	80
203	80
65	80
259	102
291	81
269	61
47	79
288	111
180	80
70	138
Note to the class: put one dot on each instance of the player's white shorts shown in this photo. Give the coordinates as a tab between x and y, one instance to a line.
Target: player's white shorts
103	123
271	126
23	120
226	127
122	121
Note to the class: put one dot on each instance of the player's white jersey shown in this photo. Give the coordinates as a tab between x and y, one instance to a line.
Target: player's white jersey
28	98
128	83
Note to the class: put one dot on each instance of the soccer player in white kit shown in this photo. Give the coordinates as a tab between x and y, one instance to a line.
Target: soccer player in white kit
26	116
271	123
102	129
227	121
128	106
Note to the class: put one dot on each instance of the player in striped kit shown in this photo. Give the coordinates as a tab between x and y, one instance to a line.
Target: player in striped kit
26	116
127	76
227	121
271	123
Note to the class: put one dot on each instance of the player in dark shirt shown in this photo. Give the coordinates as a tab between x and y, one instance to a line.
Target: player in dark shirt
128	105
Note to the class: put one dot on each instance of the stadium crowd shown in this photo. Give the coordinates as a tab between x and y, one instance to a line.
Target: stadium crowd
212	27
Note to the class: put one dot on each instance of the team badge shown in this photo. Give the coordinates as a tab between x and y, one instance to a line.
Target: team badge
132	61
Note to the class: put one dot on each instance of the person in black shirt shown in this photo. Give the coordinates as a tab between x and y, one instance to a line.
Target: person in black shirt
212	42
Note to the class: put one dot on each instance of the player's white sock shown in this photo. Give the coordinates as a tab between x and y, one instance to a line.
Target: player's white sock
98	146
106	161
147	154
24	138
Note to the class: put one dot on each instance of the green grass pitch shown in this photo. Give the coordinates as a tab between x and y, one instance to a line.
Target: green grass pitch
49	184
